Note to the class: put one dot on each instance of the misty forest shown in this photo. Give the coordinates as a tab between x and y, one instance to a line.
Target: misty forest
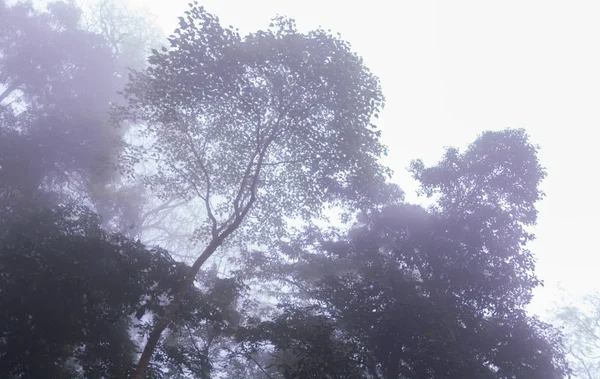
212	204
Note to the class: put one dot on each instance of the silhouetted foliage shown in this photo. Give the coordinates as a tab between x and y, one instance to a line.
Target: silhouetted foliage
67	292
248	136
305	345
260	129
61	76
57	81
70	295
440	292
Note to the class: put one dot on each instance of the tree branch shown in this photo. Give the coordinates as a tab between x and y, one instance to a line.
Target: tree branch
164	206
582	362
285	162
192	338
249	356
200	161
238	197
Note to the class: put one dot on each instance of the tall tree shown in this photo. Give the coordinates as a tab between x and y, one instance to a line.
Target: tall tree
258	129
438	292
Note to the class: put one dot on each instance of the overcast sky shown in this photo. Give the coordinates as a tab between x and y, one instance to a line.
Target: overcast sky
452	69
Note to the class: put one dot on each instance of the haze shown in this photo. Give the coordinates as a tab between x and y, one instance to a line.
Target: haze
523	73
452	69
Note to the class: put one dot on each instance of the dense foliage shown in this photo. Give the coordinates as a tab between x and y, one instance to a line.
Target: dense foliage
275	124
272	126
255	140
438	292
70	295
56	92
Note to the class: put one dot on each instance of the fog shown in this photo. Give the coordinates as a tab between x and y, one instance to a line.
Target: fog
513	86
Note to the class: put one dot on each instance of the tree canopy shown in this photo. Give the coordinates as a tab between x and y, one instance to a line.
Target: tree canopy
277	122
438	292
71	294
252	143
273	125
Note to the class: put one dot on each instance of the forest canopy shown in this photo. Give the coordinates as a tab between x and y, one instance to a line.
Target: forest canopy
122	152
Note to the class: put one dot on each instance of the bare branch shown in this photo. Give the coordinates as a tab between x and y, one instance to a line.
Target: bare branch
582	362
286	162
192	338
190	180
238	198
162	207
249	356
200	161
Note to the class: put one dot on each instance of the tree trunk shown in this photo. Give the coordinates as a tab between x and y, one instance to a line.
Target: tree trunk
185	286
173	307
217	240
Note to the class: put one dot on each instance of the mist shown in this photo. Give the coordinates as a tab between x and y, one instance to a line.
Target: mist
297	190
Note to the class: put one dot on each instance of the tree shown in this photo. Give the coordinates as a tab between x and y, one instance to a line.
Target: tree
580	322
130	32
259	129
57	59
72	296
440	292
57	83
59	313
305	345
198	338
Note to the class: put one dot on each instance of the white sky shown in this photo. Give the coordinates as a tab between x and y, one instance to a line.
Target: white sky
452	69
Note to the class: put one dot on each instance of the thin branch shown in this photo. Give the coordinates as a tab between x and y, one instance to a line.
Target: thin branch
242	187
582	362
15	100
192	339
249	356
200	161
589	330
258	124
234	221
164	206
261	151
169	233
189	179
286	162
